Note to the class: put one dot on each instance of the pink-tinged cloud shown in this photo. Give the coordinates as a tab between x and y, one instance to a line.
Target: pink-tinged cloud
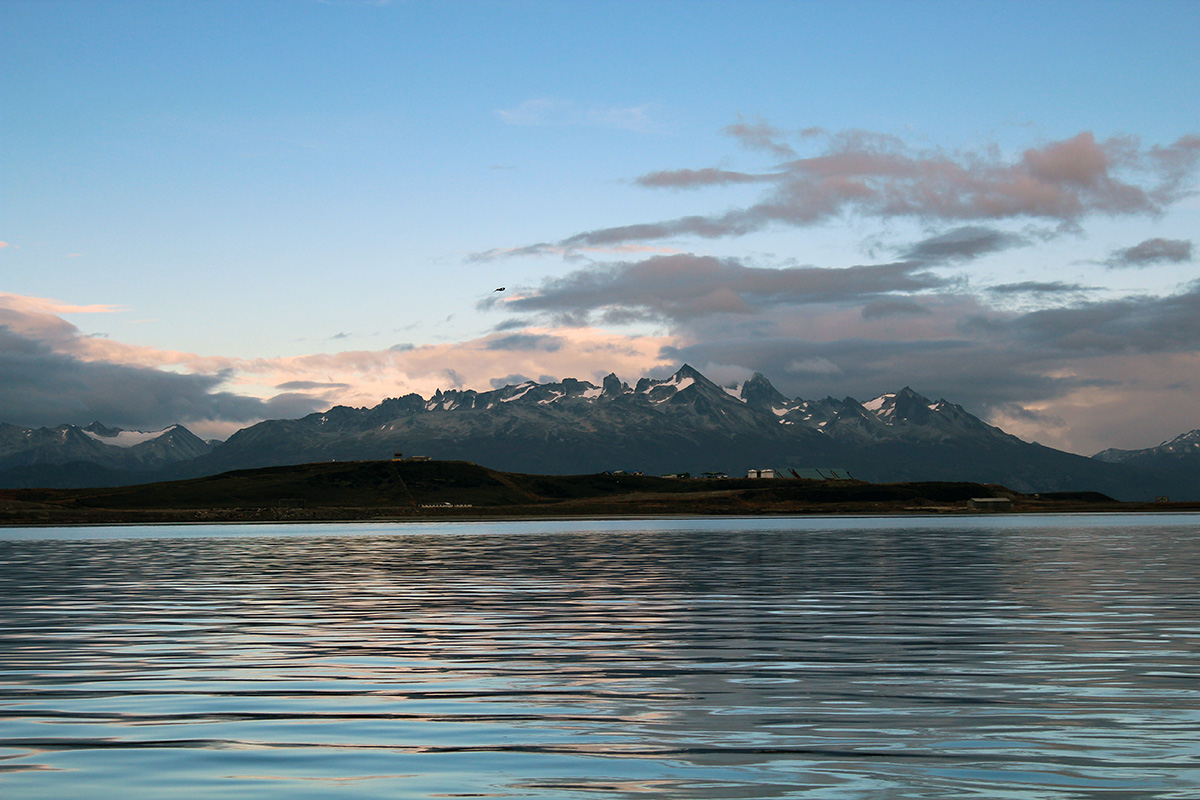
55	373
45	305
1151	252
50	377
696	178
373	375
873	175
1096	416
764	136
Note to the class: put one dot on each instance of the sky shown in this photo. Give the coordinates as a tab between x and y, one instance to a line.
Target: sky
222	212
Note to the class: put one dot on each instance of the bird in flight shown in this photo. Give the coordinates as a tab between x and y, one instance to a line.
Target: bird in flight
501	289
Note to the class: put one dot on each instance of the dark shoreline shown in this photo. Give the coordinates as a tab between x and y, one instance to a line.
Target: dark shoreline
389	491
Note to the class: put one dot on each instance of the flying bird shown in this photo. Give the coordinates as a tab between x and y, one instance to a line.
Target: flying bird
501	289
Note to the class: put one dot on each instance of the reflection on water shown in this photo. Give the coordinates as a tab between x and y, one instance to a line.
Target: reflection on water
1014	658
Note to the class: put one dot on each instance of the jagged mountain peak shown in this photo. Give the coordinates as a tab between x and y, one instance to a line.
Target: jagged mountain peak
613	386
758	392
905	404
687	383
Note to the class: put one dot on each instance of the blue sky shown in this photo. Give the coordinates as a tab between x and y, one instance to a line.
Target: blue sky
261	209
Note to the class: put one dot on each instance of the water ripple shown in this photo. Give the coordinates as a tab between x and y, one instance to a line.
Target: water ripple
1051	658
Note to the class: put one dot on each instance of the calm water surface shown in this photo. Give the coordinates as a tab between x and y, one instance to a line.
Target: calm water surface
993	657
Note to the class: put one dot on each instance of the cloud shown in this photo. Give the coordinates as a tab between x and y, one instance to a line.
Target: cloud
684	287
1125	325
763	136
547	248
45	388
526	341
1151	252
963	243
307	386
515	379
893	308
54	373
696	178
882	177
547	111
1039	288
45	305
813	366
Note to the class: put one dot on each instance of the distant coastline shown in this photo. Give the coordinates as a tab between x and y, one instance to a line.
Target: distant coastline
391	491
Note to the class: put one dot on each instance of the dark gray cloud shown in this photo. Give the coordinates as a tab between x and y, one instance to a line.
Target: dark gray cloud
43	388
1132	325
988	361
1151	252
526	341
1039	287
881	176
974	373
879	309
964	243
510	324
685	287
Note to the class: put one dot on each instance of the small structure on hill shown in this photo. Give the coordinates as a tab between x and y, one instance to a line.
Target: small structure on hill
990	504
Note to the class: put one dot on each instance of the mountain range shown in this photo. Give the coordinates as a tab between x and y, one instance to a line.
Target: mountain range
685	423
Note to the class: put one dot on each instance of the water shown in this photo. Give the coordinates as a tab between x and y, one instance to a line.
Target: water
993	657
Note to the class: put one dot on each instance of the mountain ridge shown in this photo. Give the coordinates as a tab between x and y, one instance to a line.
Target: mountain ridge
682	423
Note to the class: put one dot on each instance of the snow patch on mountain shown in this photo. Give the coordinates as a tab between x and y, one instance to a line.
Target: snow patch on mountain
878	403
528	386
125	438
